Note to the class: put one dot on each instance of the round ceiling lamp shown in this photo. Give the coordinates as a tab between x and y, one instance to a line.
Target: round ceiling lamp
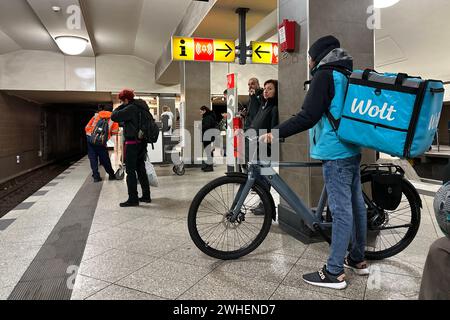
380	4
71	45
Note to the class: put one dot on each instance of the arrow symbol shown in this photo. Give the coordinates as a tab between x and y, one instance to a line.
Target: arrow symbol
229	50
258	51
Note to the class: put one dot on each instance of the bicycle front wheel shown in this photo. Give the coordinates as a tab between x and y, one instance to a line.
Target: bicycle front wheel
210	225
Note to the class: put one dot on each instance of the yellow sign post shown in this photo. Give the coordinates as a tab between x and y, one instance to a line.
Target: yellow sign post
265	52
196	49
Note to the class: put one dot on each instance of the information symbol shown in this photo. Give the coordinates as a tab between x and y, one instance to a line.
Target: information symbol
183	49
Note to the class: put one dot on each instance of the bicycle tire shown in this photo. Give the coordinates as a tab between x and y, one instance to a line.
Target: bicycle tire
409	193
200	243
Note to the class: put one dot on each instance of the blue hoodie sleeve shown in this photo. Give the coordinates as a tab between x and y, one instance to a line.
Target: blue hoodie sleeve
317	101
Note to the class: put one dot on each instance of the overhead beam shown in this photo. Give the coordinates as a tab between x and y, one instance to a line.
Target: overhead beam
265	29
167	71
90	31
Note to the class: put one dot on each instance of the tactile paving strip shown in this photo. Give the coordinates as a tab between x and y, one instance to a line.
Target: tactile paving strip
51	274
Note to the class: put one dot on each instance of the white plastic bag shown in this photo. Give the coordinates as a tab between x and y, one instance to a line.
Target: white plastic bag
151	173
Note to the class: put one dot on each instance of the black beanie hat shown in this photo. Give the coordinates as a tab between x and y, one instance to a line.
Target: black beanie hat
322	47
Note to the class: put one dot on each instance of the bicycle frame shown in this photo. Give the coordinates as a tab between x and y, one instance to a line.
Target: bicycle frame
311	219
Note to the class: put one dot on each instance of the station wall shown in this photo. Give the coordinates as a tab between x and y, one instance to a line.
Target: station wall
43	70
38	134
19	136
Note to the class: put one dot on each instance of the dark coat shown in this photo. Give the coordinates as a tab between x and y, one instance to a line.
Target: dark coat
254	105
267	117
208	122
128	117
318	100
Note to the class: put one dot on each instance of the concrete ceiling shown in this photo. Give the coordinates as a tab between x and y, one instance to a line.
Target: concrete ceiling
52	97
415	38
134	27
223	22
131	27
20	28
56	23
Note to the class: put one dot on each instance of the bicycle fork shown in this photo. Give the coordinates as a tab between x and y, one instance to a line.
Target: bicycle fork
241	195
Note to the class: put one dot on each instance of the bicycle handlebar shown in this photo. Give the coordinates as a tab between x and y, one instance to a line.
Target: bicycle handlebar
253	139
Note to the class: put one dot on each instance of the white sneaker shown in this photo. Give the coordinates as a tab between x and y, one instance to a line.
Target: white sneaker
361	269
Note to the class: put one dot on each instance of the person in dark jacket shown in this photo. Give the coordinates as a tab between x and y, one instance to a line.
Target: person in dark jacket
341	161
208	122
254	103
135	150
266	119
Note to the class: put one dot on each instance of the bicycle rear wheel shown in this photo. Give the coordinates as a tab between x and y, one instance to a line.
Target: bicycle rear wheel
209	222
390	232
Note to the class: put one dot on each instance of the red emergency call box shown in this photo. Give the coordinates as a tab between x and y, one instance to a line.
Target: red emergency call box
286	32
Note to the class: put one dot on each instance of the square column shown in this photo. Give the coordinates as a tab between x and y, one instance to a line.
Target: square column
347	21
195	92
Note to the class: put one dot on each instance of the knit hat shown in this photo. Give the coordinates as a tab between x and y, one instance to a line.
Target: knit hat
126	94
322	47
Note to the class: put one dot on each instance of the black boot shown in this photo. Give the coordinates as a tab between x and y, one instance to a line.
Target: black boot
209	168
146	199
129	203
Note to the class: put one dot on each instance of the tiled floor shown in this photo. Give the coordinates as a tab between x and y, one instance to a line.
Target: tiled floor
146	252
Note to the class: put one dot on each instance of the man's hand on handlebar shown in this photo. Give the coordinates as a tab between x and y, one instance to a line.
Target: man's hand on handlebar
266	138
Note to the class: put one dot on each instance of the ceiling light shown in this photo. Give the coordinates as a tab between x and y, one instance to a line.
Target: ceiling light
56	9
71	45
380	4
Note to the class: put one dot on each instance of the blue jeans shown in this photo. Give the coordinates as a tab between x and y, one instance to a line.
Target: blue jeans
346	202
96	153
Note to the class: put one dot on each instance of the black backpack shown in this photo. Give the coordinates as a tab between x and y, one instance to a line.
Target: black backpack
100	134
165	120
148	129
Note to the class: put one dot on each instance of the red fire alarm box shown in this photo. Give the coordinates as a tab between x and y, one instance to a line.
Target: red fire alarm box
286	32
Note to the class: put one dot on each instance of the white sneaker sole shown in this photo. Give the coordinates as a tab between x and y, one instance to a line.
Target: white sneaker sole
336	286
359	272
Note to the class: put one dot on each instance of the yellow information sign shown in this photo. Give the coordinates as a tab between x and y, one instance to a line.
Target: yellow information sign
183	48
224	51
196	49
265	52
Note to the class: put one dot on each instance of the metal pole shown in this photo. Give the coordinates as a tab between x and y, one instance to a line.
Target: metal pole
242	35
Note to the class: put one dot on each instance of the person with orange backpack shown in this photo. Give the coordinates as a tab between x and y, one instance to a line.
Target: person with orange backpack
98	132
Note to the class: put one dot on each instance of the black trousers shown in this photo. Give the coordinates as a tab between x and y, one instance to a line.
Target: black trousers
207	146
135	156
96	153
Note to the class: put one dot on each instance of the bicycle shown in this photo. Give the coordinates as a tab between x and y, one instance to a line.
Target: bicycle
222	225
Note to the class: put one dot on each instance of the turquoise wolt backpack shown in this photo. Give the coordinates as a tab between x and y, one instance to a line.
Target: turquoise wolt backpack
391	113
